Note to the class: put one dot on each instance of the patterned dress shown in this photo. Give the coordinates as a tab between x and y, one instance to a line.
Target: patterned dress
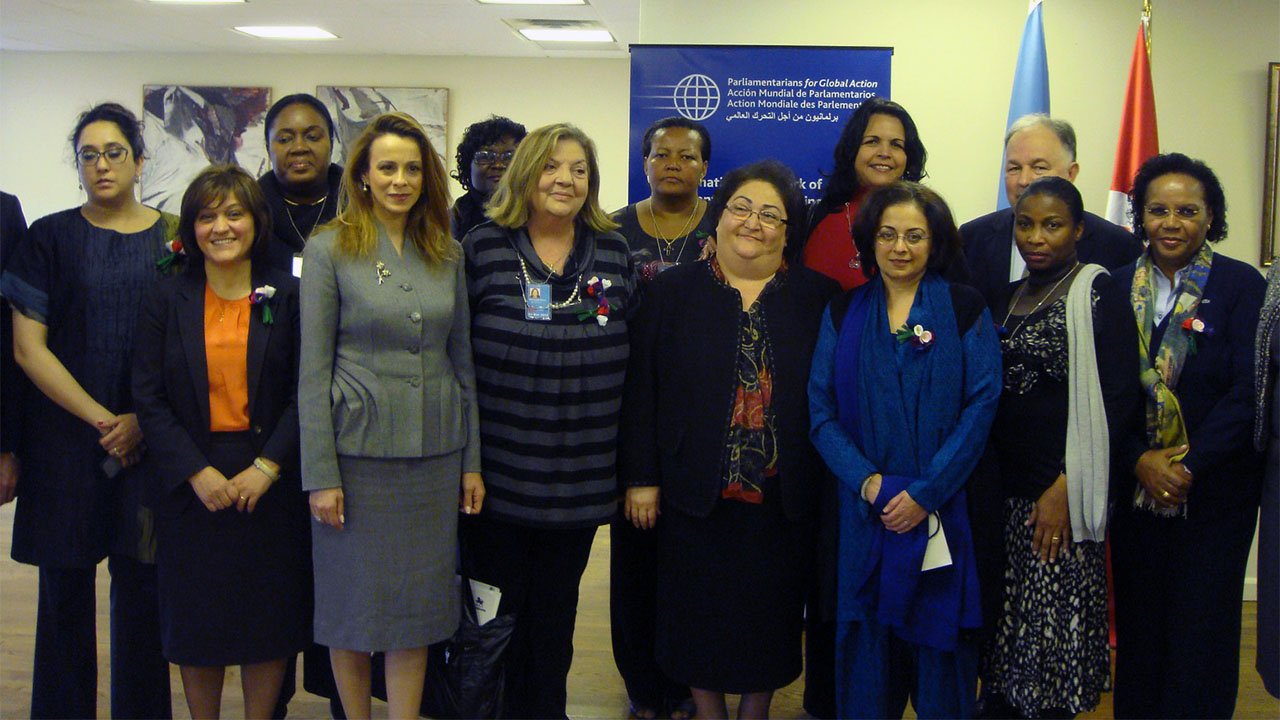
1050	646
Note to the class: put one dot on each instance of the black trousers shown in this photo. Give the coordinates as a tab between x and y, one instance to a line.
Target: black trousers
65	674
538	572
1179	586
633	579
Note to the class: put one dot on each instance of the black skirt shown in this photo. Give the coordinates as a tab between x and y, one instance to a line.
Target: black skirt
235	588
731	592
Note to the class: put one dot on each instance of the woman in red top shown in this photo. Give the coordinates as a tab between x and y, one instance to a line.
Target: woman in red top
879	145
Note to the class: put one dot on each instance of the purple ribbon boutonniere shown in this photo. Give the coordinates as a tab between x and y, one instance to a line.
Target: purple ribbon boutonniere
262	296
595	289
917	336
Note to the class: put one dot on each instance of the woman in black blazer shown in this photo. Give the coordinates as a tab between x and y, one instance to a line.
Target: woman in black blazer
215	381
1184	518
715	421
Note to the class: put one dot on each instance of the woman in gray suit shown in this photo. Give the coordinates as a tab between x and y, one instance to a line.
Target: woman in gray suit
386	397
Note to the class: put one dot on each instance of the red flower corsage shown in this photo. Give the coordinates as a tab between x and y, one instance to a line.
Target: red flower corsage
262	296
917	336
1196	326
174	250
595	289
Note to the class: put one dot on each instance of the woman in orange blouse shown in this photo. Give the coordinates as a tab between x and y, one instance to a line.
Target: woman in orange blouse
215	381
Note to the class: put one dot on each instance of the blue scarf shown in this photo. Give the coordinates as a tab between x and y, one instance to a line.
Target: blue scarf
899	403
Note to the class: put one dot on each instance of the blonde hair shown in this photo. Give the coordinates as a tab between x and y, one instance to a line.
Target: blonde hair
509	205
428	223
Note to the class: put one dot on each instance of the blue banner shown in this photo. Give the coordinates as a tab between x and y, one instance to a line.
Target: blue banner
788	103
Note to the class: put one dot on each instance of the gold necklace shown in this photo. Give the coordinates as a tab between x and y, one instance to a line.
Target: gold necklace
683	231
1018	296
303	238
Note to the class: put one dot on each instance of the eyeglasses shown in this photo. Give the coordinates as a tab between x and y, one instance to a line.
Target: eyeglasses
1186	212
889	236
768	218
115	155
487	157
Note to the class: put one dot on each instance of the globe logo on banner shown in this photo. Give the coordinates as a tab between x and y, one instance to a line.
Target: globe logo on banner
697	97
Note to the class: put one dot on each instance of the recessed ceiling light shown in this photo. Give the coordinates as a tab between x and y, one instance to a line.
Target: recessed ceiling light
196	2
532	2
567	35
286	32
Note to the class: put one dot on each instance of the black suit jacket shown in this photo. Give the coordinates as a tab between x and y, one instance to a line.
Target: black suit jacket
681	378
1215	391
171	383
988	242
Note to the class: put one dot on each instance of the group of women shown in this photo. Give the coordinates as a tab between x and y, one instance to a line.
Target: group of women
269	462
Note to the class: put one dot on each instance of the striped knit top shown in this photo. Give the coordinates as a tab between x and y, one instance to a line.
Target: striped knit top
548	390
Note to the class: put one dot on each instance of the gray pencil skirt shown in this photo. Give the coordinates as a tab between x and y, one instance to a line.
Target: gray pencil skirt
385	581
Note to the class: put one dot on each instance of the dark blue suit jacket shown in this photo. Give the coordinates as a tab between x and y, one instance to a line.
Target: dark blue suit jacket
988	242
1215	391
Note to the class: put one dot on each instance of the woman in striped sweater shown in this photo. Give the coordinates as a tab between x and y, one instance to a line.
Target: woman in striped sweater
550	291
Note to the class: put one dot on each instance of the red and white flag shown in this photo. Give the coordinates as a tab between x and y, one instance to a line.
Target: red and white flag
1138	138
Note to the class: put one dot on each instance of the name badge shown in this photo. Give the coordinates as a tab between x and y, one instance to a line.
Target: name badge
297	265
537	301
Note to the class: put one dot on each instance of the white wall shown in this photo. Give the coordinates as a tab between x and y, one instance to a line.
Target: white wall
953	69
41	94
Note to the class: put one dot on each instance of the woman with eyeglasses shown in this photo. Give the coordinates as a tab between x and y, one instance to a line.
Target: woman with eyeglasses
551	296
1185	513
906	378
715	449
483	156
76	285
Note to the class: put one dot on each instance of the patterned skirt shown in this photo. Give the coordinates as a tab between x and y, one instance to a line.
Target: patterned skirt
1049	651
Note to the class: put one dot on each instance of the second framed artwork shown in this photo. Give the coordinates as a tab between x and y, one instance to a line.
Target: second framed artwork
353	107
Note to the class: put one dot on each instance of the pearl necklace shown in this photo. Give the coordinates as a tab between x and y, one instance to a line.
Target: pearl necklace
573	297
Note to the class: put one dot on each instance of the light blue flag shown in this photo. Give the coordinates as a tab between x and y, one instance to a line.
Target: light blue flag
1030	81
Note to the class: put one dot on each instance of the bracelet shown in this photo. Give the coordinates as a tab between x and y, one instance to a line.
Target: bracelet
266	469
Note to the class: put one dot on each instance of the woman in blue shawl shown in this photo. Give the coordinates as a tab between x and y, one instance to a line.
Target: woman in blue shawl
904	387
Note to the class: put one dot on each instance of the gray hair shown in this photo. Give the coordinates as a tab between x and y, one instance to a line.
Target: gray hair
1066	134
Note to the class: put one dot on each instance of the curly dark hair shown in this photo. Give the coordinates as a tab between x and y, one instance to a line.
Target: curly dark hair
842	183
1169	164
118	115
777	174
681	122
944	238
476	136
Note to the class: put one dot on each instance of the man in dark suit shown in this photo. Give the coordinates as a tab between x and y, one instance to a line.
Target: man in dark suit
1036	146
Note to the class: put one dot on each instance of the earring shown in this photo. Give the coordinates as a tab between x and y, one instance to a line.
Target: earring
366	187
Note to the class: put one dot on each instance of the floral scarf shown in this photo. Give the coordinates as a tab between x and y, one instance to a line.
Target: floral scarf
1165	426
751	449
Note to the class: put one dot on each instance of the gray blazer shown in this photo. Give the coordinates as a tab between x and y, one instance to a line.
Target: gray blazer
386	366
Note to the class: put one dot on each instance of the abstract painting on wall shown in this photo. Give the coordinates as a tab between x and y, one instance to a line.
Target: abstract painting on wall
353	107
187	128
